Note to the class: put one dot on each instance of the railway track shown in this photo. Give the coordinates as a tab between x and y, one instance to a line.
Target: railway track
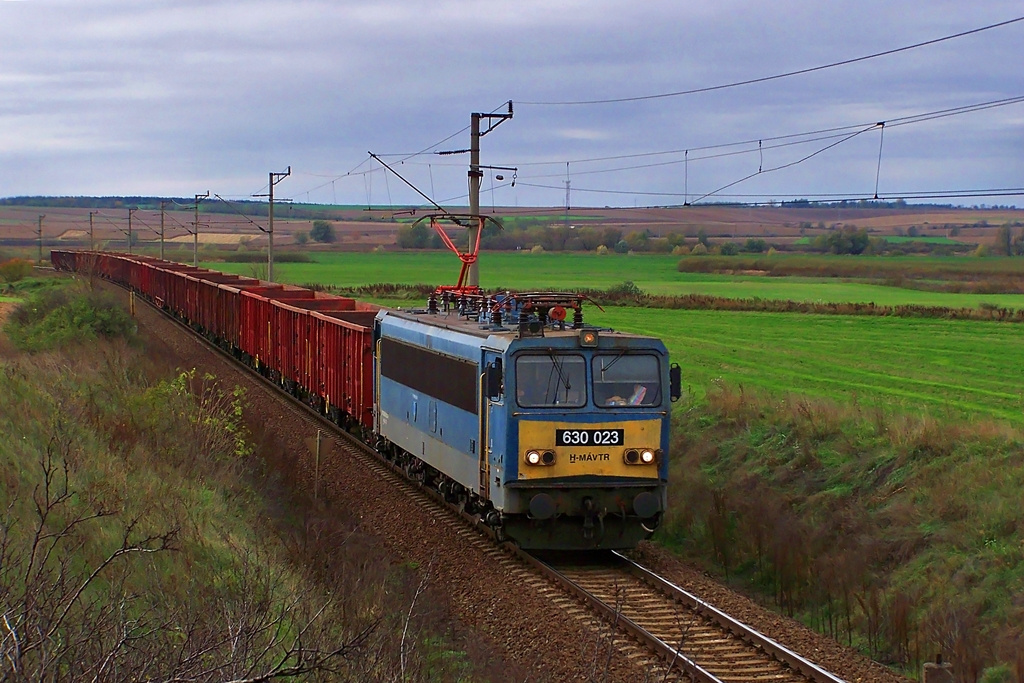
669	633
690	634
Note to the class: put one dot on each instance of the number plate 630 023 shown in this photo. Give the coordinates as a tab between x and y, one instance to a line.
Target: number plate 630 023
589	437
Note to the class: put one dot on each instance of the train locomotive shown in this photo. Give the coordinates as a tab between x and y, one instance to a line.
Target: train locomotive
552	432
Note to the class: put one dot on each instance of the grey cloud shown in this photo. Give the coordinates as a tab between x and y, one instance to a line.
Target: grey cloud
165	95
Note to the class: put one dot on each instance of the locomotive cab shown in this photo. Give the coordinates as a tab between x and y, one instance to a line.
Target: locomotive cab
586	452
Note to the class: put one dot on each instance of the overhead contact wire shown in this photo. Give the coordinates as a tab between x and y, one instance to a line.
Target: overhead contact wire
765	79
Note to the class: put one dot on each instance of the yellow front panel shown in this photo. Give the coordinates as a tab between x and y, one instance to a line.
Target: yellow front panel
596	460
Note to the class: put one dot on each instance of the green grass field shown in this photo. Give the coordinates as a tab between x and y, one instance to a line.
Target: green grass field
655	274
959	368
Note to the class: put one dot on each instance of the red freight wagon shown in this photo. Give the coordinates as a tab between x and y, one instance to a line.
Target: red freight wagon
226	303
297	336
215	308
291	334
257	324
112	268
345	360
139	271
232	306
195	286
64	260
169	279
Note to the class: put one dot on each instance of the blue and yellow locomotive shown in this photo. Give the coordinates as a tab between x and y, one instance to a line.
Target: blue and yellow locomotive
555	433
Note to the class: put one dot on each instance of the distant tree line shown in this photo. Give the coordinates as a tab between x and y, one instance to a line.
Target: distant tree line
539	236
245	207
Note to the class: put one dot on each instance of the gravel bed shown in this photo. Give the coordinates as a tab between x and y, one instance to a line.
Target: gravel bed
825	652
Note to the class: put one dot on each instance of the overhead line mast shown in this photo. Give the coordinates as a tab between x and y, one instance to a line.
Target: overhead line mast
195	233
275	178
475	174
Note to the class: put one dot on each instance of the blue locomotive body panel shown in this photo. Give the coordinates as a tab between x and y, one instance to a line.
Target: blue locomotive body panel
429	400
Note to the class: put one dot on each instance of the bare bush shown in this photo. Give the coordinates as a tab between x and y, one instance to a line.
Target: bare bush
62	619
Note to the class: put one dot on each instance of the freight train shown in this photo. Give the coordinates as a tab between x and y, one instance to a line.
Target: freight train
552	432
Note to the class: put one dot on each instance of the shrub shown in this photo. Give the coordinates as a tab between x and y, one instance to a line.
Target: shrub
537	249
626	289
602	249
261	257
55	318
14	269
322	231
699	249
755	246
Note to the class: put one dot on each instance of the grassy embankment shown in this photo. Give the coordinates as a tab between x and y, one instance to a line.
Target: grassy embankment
140	540
860	473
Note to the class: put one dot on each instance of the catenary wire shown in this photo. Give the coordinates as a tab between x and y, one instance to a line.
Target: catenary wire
765	79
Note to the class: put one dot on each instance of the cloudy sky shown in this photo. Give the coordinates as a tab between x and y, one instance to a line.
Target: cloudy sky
177	97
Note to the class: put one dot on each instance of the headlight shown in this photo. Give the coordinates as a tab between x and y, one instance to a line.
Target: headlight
540	457
641	456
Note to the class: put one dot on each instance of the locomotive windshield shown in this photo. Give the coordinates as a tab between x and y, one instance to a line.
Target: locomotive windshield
550	380
622	379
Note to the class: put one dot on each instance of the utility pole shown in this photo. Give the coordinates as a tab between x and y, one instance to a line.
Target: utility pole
568	184
475	174
163	210
195	233
130	212
92	237
39	235
275	178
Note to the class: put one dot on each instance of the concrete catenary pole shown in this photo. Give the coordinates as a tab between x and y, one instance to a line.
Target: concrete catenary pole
163	210
39	236
475	174
195	231
473	277
275	178
130	212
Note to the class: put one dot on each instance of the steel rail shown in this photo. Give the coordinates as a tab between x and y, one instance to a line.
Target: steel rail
812	671
672	655
650	600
